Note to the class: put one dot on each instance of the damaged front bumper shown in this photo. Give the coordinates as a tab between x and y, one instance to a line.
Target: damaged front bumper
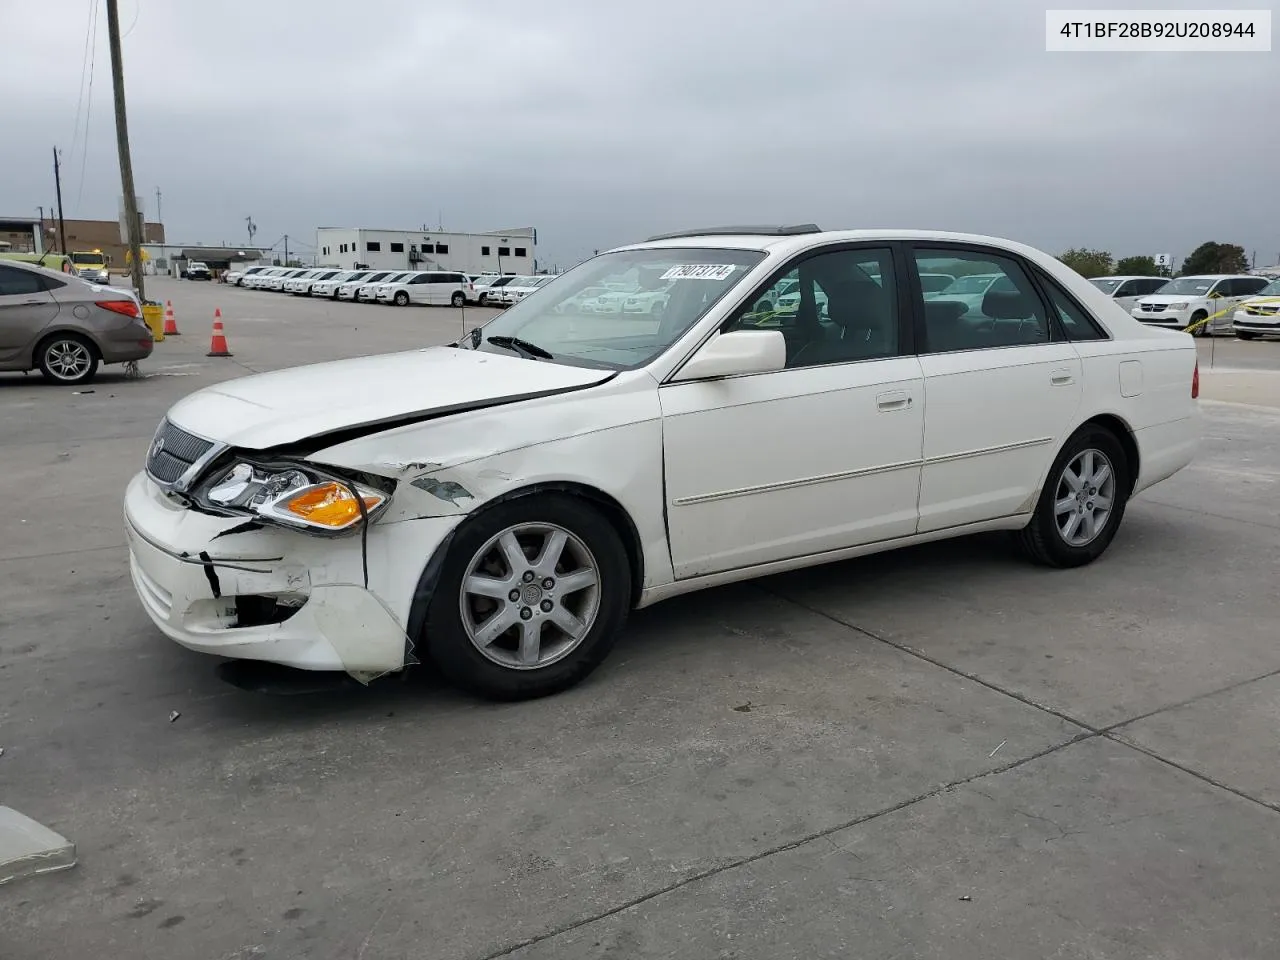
223	586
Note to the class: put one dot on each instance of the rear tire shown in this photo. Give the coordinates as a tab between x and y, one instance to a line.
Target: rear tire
532	656
67	359
1071	502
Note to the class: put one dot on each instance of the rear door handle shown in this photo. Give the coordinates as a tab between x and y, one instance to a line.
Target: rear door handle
1061	378
893	400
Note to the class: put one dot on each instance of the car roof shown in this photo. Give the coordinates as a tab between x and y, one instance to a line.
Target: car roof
787	243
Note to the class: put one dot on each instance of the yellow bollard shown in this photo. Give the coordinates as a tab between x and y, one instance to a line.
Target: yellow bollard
153	313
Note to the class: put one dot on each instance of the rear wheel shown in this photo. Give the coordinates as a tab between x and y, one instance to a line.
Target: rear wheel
1082	502
530	599
67	358
458	299
402	298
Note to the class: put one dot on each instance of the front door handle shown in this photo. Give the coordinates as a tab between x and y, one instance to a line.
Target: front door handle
893	400
1061	378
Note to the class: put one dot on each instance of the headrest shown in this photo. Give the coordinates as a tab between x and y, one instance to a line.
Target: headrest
999	305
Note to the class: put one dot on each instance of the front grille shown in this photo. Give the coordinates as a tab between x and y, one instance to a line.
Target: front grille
1153	307
172	453
1262	311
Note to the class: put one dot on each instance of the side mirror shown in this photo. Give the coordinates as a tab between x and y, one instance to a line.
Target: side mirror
735	353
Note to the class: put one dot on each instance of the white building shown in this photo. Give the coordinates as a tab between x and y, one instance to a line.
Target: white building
499	251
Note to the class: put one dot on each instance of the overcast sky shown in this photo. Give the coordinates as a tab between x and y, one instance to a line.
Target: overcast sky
602	121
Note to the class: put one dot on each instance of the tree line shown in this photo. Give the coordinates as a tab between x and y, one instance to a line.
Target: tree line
1210	257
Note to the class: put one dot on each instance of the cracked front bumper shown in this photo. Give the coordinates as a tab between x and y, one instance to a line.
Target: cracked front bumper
203	590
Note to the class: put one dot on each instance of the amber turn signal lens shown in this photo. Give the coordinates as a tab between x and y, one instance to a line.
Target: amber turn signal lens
329	505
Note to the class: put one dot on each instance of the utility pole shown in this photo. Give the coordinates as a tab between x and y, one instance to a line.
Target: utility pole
57	183
286	249
122	146
159	214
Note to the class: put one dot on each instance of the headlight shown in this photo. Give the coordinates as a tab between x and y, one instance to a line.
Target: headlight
293	495
1178	306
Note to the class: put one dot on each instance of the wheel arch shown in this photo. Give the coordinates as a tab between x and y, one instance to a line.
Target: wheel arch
51	332
612	509
1116	425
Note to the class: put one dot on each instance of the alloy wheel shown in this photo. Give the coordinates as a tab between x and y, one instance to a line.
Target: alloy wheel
1084	497
530	596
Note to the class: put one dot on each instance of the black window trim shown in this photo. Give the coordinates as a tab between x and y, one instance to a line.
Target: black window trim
1045	283
906	326
1056	333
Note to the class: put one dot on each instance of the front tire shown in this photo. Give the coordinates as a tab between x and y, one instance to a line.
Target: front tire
1082	502
1245	335
482	299
402	299
67	359
530	600
1198	317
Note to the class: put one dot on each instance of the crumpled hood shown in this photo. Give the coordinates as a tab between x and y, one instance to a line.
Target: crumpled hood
286	406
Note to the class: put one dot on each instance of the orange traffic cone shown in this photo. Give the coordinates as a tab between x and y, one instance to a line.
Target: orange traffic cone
218	346
170	322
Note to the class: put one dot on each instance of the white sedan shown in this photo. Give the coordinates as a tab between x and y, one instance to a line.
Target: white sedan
499	505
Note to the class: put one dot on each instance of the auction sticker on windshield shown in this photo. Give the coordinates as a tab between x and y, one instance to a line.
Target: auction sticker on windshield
699	271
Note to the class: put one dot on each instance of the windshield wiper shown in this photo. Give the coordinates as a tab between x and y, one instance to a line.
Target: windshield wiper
520	346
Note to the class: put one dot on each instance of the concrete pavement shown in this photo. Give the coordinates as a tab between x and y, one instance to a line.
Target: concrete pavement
938	753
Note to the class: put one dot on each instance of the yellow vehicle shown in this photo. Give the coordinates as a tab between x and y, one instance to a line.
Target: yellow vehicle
50	261
91	265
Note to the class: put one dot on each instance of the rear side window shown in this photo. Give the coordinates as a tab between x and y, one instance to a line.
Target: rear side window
991	303
1076	323
14	282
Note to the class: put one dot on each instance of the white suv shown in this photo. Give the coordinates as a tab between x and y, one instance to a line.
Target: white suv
1127	291
1203	305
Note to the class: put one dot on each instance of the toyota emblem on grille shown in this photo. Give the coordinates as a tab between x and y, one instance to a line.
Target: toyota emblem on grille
157	447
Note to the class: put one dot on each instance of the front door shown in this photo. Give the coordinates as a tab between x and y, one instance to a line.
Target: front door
26	308
1002	393
822	455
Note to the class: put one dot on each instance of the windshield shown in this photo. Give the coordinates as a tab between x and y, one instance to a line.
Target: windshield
1197	286
1106	284
395	278
502	282
975	284
569	324
1272	289
92	259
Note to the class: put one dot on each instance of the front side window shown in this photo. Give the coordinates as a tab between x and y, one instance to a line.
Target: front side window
564	325
992	303
835	307
1187	287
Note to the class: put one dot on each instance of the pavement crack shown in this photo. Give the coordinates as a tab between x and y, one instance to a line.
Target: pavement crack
1206	513
1111	728
1273	807
746	862
903	648
63	553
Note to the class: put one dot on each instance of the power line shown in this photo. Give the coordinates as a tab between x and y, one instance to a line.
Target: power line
137	9
84	67
88	110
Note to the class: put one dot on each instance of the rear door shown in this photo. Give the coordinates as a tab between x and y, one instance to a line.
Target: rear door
26	307
1001	384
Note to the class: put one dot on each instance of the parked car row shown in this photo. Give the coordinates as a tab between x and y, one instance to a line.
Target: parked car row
1243	304
400	287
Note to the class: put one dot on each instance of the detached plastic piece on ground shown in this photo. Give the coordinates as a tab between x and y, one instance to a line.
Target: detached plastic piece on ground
28	848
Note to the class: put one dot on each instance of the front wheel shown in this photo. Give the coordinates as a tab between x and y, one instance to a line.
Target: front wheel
481	300
1200	318
1082	502
67	359
458	299
1245	335
402	298
530	600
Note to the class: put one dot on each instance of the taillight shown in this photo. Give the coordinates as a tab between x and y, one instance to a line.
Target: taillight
126	308
1195	382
